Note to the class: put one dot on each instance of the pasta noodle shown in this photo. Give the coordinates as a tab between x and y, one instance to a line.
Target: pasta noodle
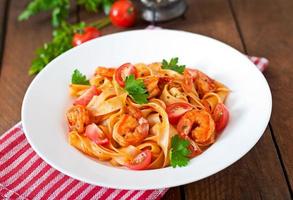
111	122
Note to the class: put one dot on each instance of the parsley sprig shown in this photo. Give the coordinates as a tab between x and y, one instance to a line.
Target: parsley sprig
62	31
60	8
173	65
136	89
95	5
179	152
61	42
78	78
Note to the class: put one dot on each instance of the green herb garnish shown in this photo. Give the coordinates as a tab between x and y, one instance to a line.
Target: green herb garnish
179	152
60	8
136	89
173	65
79	78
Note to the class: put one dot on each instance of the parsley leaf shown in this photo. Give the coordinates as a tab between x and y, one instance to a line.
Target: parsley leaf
179	152
173	65
59	9
79	78
90	5
94	5
61	42
136	89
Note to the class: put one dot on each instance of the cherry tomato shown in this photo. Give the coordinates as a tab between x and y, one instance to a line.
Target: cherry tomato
141	161
88	34
176	110
123	71
87	96
220	116
123	13
94	133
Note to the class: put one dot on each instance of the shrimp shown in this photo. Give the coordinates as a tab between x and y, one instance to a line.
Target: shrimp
201	126
78	117
132	128
151	84
204	84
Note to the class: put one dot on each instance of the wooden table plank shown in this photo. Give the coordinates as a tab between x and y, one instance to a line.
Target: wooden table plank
174	193
3	13
267	29
259	174
22	39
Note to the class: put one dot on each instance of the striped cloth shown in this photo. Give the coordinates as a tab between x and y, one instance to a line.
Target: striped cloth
24	175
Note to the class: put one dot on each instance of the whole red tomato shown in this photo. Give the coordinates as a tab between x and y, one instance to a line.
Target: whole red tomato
123	13
88	34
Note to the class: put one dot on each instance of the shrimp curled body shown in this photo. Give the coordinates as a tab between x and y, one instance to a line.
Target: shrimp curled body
78	117
200	125
132	128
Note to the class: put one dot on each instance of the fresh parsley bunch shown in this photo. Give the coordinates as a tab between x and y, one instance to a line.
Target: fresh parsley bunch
60	8
63	32
61	42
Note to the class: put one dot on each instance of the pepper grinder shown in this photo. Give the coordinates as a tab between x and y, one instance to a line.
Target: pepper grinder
162	10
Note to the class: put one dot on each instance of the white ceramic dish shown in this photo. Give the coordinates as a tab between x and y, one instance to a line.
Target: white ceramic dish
47	99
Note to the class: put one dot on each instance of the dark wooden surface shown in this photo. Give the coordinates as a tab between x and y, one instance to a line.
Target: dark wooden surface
255	27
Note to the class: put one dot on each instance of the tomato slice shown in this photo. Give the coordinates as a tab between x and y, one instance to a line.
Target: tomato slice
89	33
176	110
221	117
87	96
94	133
141	161
123	71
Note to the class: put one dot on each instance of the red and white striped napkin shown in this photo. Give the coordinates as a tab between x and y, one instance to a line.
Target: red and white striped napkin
24	175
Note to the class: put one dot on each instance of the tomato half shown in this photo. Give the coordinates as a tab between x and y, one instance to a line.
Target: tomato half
87	96
176	110
221	117
88	34
123	71
141	161
94	133
123	13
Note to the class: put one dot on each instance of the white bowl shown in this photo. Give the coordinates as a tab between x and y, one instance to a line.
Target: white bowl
47	99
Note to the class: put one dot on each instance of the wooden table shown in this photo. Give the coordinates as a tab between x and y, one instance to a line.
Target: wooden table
256	27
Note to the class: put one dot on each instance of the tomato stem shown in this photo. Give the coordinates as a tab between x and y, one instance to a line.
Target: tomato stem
101	23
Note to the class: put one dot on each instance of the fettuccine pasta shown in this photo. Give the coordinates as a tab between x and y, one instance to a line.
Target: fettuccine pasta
146	116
